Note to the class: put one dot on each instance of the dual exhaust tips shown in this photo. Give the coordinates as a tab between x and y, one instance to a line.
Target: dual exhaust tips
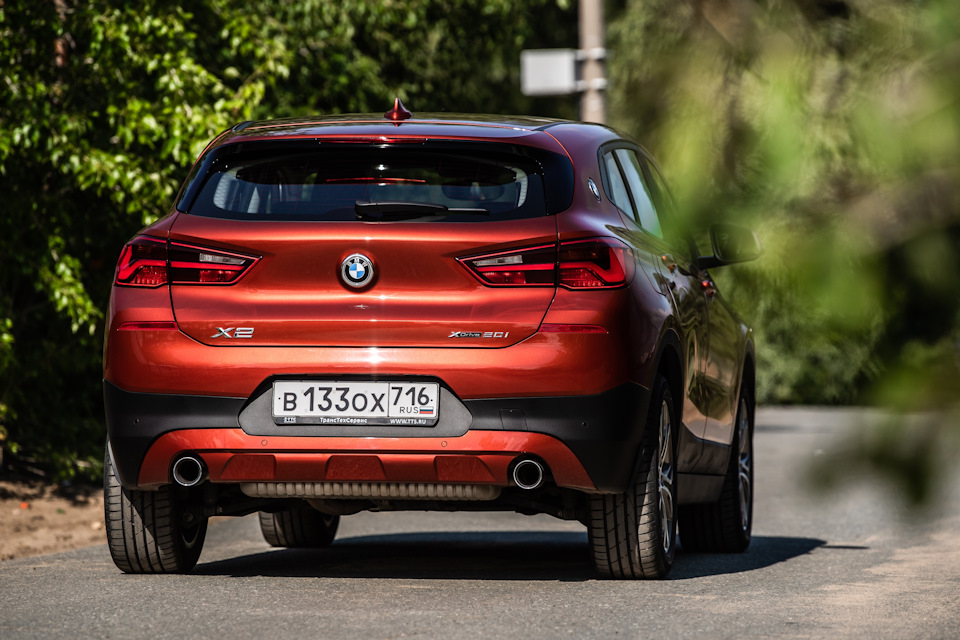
189	471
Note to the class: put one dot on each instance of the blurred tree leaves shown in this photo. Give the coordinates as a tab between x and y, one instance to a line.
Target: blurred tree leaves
833	128
105	104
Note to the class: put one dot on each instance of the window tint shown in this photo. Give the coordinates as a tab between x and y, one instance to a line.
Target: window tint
340	182
618	190
646	215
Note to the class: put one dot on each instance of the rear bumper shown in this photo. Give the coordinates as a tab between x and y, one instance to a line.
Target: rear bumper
589	443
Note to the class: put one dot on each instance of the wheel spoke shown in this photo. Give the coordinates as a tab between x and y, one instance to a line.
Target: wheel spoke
744	500
666	516
666	502
666	476
665	452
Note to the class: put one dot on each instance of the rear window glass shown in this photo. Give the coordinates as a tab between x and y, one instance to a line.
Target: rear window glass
347	182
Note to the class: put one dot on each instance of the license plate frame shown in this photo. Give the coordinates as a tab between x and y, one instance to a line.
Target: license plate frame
355	403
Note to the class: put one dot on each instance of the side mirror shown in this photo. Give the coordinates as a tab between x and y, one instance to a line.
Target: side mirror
731	244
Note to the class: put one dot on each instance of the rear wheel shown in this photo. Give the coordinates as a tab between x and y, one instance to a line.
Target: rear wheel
149	531
298	527
725	526
633	534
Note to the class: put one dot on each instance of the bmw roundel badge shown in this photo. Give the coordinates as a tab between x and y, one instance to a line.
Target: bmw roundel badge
593	189
357	270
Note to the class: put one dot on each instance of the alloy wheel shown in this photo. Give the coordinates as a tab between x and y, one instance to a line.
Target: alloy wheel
665	469
745	464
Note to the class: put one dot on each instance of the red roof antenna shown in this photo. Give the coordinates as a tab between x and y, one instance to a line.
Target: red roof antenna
399	112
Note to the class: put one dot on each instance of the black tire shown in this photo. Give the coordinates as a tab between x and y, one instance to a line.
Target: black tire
302	527
633	535
725	526
145	531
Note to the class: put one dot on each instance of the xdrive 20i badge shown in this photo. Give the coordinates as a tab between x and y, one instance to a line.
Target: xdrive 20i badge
357	270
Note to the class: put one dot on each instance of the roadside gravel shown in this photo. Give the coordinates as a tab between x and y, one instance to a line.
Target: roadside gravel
37	517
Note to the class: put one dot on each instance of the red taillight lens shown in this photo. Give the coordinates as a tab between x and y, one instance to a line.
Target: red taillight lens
579	264
189	264
534	266
143	263
595	264
150	262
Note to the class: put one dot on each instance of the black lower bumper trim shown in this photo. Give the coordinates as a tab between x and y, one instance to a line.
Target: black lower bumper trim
136	420
604	430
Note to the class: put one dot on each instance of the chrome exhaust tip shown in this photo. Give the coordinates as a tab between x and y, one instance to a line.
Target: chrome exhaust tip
528	474
188	471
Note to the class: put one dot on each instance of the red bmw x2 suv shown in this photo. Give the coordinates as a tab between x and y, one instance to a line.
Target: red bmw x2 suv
426	313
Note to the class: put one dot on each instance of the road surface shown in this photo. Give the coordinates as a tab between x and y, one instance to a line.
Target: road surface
849	564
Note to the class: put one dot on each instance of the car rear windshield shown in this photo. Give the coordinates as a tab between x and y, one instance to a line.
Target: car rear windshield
325	181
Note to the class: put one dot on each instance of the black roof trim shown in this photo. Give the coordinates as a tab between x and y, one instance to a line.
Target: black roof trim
241	126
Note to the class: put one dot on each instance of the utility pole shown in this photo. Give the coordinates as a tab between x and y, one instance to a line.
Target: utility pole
592	103
556	72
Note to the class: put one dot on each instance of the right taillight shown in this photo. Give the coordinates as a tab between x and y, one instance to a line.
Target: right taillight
152	262
597	263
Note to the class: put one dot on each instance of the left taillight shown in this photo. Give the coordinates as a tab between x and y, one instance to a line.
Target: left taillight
143	263
199	265
152	262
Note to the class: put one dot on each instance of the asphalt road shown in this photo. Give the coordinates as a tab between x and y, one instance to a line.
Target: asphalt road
850	564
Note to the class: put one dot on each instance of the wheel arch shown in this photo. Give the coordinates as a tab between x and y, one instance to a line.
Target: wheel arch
668	362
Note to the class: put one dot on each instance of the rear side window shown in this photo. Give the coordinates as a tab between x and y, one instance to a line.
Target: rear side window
646	214
618	190
395	182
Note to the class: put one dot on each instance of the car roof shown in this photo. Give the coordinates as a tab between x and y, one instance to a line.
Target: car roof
437	120
547	133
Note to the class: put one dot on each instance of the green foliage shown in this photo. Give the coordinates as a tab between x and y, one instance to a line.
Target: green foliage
833	128
84	162
105	104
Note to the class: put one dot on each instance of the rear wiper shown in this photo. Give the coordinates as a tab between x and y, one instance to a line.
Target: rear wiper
379	211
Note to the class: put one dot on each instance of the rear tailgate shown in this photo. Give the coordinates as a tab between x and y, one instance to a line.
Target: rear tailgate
421	296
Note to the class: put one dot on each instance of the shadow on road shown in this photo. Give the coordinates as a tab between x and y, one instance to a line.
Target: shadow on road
764	551
534	555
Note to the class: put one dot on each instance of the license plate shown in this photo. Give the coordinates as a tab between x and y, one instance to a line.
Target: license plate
356	403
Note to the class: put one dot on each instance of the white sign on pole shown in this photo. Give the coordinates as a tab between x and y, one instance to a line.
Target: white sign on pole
548	72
